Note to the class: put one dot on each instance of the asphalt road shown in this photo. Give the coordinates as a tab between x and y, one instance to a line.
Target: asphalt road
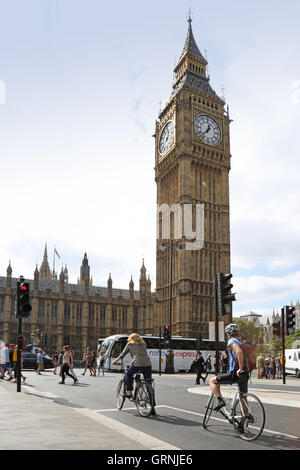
180	410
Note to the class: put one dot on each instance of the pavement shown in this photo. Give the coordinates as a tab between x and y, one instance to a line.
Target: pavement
36	420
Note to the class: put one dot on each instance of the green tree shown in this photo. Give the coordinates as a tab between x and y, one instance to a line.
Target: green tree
248	331
291	338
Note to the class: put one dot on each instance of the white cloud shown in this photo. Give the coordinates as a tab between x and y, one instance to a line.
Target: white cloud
255	290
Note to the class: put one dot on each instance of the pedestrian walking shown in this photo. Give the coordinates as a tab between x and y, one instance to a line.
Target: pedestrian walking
40	362
55	361
86	358
65	369
72	363
260	366
272	367
278	367
200	367
5	362
225	363
16	365
93	363
60	361
101	363
207	366
267	366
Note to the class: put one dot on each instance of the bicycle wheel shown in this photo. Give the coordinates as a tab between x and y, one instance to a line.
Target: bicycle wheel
211	404
121	394
248	417
144	398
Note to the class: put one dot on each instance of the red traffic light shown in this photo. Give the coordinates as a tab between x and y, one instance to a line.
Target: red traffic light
23	287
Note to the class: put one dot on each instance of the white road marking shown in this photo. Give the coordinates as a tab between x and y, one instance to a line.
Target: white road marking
220	419
264	396
137	436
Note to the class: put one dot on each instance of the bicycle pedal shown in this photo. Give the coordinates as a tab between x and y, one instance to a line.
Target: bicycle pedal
218	407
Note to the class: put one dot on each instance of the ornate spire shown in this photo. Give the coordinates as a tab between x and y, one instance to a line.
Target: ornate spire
190	46
191	71
109	285
143	271
85	271
9	270
45	273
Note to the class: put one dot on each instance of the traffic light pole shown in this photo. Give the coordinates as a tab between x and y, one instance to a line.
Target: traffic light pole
216	325
19	357
283	343
170	368
159	357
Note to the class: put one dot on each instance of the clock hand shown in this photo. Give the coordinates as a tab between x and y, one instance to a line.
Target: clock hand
205	132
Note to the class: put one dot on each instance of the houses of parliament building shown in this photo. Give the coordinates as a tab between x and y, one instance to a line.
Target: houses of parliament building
192	165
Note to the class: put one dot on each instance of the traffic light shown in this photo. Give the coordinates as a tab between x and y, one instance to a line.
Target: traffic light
276	328
23	306
45	339
20	343
289	320
224	295
198	341
167	335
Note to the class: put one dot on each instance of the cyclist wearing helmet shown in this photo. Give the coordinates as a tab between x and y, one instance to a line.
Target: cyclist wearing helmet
236	373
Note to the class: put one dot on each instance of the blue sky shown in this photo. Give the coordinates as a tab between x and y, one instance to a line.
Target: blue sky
83	82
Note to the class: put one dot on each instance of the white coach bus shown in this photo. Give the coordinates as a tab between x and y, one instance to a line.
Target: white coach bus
184	351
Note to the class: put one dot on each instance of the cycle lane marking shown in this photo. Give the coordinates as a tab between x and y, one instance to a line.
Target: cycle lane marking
225	420
145	439
263	395
198	414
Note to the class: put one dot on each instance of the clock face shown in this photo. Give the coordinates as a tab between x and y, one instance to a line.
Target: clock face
207	130
166	138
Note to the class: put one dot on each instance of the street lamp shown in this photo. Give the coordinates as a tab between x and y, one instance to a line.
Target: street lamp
170	363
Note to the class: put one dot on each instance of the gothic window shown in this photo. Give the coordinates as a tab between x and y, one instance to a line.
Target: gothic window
114	317
41	313
91	315
79	315
66	339
124	318
53	313
1	309
136	320
102	317
67	315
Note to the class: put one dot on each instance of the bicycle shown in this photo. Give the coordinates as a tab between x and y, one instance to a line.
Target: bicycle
142	396
245	412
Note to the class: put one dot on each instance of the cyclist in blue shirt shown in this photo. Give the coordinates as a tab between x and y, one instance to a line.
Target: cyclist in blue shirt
236	373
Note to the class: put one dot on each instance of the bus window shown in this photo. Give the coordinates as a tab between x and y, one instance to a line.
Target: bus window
299	355
118	347
152	343
105	345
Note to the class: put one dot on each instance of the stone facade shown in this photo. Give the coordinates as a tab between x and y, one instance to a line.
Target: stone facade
76	314
189	171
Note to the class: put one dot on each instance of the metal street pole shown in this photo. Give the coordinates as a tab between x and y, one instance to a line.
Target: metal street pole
171	291
19	355
170	369
283	344
216	326
159	357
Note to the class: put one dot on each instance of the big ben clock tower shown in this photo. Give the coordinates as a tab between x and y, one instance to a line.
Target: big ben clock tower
192	163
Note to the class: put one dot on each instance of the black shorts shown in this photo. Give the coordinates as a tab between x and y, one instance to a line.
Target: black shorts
231	378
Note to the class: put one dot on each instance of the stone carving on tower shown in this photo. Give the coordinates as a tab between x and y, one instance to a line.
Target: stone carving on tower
85	278
192	164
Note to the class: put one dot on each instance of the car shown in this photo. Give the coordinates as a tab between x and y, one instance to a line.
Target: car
30	360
